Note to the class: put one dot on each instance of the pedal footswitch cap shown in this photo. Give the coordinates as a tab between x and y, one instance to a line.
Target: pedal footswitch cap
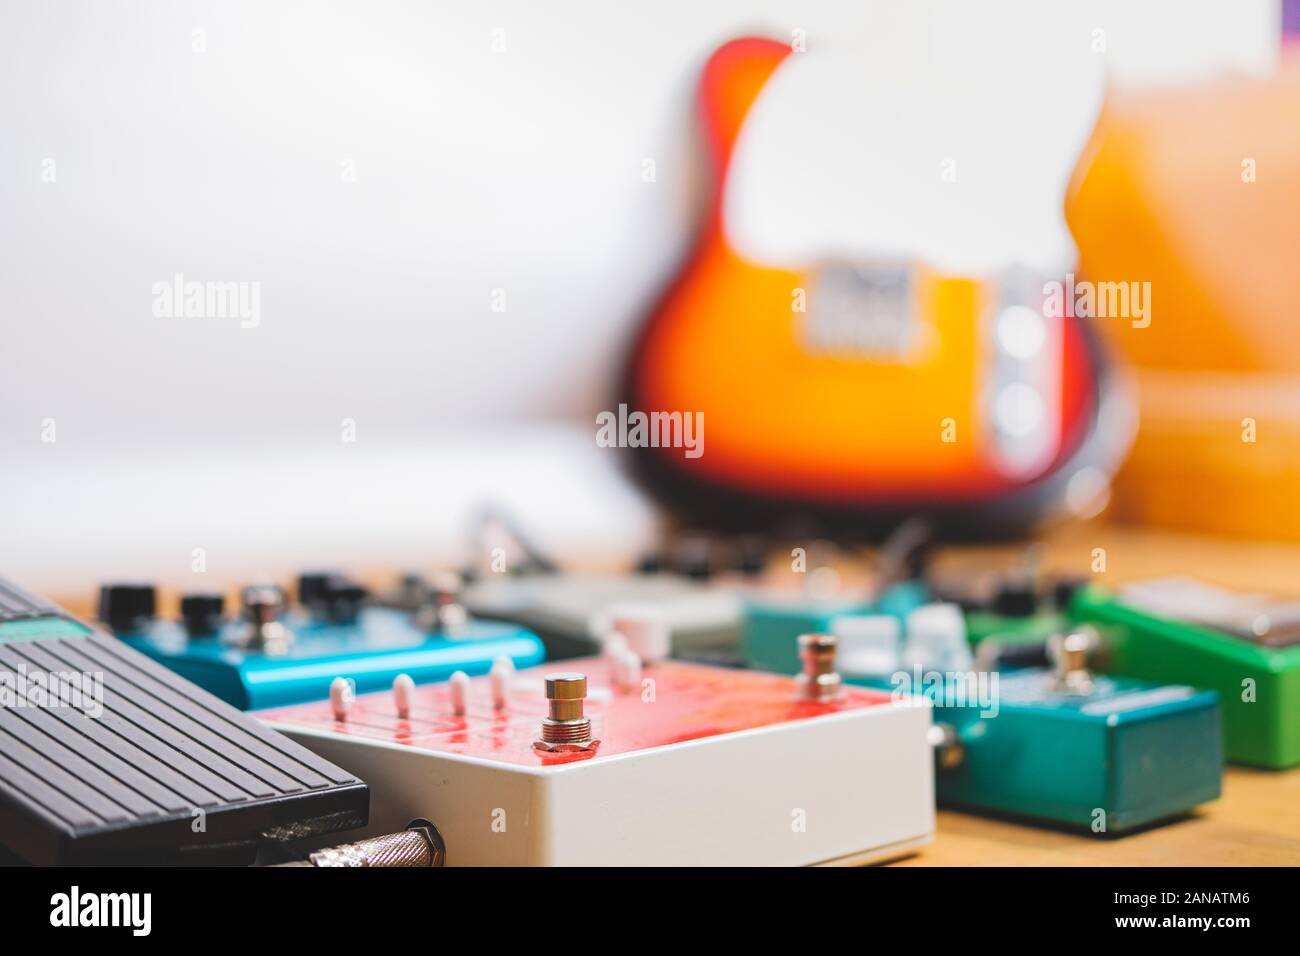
819	680
263	605
1069	655
201	613
565	728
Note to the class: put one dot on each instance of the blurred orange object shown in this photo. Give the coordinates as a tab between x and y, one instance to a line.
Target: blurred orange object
1197	191
860	392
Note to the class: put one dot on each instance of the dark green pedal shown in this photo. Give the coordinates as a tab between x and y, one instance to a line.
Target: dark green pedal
1060	744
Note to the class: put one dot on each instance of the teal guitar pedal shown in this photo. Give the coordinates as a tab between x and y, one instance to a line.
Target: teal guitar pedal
273	655
773	622
1058	744
1106	753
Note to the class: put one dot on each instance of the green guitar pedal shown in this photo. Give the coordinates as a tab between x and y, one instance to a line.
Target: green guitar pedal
1245	647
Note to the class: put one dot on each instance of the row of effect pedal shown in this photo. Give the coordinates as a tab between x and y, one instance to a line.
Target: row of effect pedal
1165	631
445	713
535	765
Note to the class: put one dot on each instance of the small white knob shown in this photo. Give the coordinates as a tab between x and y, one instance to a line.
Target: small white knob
403	692
868	643
342	694
627	670
936	639
502	677
613	645
459	687
644	629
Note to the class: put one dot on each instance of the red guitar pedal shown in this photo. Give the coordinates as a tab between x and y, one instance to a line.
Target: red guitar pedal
677	764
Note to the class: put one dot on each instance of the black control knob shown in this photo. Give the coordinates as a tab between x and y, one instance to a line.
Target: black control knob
126	607
751	556
342	599
331	597
1063	591
413	591
1018	598
1031	654
312	586
201	613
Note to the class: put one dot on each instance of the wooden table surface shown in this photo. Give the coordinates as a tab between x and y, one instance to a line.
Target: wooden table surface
1255	822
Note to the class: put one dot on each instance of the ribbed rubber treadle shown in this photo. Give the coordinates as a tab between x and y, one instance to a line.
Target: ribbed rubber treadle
123	781
16	604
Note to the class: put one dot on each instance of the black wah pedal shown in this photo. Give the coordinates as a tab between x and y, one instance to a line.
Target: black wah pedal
108	758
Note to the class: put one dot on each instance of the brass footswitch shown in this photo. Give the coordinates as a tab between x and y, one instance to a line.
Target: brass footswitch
819	680
565	728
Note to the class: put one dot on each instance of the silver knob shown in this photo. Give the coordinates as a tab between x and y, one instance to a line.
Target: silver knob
263	605
1069	656
819	680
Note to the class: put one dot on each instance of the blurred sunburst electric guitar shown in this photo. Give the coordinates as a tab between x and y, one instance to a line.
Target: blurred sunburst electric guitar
863	391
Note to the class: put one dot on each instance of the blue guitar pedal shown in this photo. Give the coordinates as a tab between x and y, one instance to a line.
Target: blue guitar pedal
273	655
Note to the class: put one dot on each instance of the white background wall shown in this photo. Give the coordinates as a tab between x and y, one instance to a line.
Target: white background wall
475	170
